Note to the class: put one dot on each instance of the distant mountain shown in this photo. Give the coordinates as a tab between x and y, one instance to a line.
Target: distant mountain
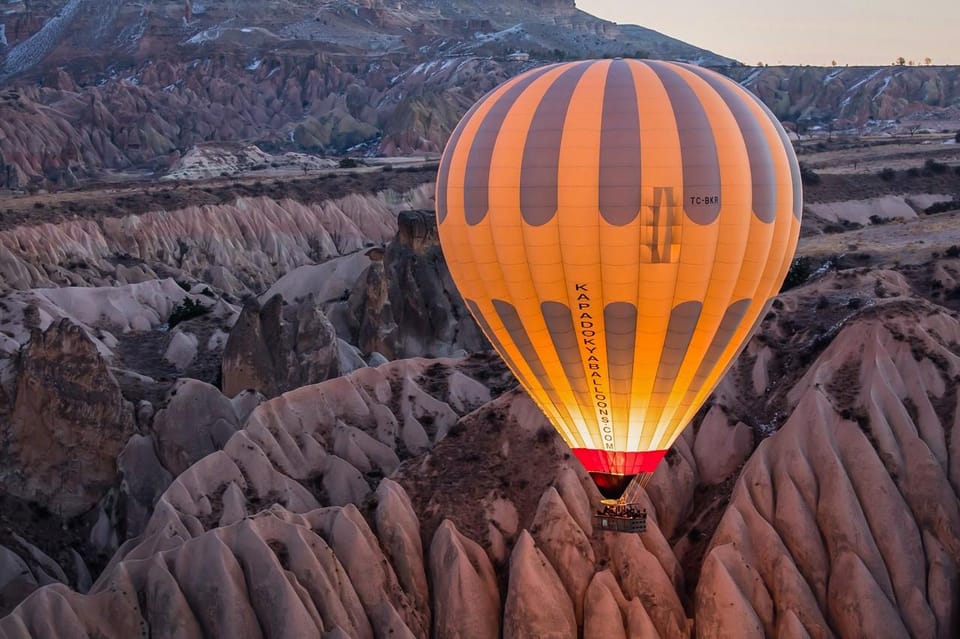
108	89
855	96
97	38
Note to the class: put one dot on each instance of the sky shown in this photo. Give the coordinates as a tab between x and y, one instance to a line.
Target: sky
814	32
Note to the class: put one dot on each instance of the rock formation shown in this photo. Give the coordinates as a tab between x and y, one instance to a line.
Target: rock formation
406	303
68	423
272	354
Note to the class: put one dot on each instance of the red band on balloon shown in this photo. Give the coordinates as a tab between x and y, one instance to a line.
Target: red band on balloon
614	462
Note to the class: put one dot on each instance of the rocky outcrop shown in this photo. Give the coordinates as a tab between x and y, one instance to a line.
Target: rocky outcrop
278	575
346	431
238	248
270	354
68	423
846	522
466	600
854	95
406	303
196	421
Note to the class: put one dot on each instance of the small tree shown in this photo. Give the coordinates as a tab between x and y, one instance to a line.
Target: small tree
928	61
900	61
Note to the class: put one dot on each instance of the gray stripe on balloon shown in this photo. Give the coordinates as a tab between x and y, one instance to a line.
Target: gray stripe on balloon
763	175
620	177
443	173
698	148
474	309
539	173
620	332
559	322
521	339
680	329
791	158
476	193
721	339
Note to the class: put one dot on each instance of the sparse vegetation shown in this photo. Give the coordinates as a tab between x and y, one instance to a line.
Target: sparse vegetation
188	309
932	167
800	271
940	207
544	434
887	174
808	176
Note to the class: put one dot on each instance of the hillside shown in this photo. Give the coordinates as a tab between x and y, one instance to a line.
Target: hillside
122	91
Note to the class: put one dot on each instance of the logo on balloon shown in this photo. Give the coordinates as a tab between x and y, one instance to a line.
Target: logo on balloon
588	337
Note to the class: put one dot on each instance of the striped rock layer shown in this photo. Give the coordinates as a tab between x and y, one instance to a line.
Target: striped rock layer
617	227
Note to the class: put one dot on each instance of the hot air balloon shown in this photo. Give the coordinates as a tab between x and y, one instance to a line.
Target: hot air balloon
618	228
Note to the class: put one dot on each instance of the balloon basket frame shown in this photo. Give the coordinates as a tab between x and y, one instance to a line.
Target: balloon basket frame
617	516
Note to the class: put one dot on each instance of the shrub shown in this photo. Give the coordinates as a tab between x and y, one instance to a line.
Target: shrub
913	172
808	176
940	207
800	271
957	137
887	174
953	251
349	163
932	167
186	310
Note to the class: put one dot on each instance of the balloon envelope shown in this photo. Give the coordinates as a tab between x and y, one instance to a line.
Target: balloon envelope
617	228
